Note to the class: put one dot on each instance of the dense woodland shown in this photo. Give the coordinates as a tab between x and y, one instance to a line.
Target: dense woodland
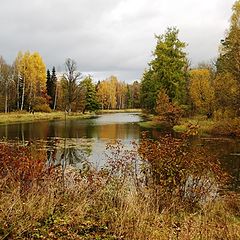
26	85
169	87
210	88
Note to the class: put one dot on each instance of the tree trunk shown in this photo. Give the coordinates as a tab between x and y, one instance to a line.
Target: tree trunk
18	94
6	98
23	93
55	99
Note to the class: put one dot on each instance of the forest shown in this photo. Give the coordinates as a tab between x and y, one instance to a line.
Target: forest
27	85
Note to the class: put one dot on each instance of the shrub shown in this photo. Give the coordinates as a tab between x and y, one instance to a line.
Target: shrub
175	171
42	108
21	166
230	127
40	105
167	111
117	202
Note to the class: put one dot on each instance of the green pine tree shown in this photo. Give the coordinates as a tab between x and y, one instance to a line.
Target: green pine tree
166	71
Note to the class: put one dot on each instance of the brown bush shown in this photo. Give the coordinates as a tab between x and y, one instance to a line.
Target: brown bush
178	172
166	110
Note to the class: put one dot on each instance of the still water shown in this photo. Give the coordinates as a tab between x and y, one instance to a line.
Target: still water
86	140
83	139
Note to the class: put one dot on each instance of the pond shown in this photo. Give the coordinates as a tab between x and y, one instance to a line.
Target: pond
83	139
86	140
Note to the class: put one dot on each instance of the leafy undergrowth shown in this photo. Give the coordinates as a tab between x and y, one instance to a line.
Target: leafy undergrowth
230	127
172	192
224	127
204	125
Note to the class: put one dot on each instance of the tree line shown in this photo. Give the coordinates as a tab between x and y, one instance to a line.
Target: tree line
27	85
170	86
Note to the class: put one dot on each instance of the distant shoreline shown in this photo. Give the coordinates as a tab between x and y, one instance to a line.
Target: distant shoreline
18	117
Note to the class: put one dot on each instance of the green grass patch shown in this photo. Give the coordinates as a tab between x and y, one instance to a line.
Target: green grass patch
204	125
147	124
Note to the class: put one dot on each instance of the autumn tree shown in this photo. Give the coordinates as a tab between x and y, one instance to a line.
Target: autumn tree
31	75
167	111
88	95
229	59
18	79
133	95
61	101
70	82
121	91
106	93
6	83
201	90
226	89
166	71
112	91
103	94
227	82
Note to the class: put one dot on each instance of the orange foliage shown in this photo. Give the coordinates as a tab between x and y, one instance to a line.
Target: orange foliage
20	165
166	110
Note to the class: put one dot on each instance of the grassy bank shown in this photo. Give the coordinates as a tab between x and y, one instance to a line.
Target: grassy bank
93	211
203	125
137	110
151	121
14	117
223	127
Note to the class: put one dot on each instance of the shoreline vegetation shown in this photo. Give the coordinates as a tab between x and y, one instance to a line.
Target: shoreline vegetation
23	116
18	117
203	125
114	202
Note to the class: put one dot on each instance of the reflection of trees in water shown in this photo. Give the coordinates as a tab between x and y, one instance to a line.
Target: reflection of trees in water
118	131
63	154
227	150
75	156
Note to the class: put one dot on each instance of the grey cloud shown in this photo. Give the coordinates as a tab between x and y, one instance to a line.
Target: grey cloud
109	36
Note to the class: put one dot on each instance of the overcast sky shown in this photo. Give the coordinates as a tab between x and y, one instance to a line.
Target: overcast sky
109	37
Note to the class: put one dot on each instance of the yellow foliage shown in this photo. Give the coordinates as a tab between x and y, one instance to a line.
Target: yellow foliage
106	93
201	89
226	93
32	70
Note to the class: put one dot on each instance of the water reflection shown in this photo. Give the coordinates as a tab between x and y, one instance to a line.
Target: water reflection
77	141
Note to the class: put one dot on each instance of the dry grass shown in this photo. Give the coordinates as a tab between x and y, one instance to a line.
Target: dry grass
87	212
14	117
223	127
112	203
